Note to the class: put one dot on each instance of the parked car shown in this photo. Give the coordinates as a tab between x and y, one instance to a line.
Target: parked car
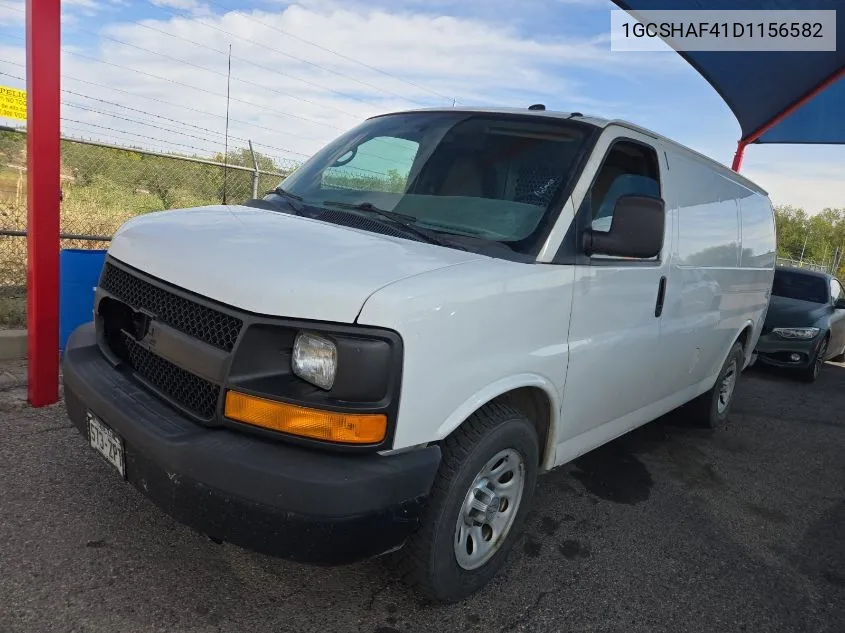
388	349
805	323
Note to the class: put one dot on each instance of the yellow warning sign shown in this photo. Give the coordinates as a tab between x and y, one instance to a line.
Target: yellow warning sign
12	103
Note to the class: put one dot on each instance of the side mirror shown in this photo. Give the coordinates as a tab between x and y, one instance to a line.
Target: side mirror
636	230
839	304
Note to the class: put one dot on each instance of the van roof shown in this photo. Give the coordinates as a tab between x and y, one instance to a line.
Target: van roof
601	123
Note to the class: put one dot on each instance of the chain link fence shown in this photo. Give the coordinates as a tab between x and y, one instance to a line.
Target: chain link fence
102	186
783	261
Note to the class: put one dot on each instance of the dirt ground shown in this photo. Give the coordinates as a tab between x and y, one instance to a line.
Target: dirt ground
669	528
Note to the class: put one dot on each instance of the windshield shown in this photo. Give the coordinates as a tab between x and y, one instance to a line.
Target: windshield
794	285
487	176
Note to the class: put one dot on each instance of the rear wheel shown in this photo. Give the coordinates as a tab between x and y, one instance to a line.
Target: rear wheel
477	505
711	408
812	372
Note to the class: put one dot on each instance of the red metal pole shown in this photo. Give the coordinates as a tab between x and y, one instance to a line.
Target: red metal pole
799	102
43	46
740	152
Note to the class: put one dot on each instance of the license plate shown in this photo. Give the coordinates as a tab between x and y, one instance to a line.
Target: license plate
106	442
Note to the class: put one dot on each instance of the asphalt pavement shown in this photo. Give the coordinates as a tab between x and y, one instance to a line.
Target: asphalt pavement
670	528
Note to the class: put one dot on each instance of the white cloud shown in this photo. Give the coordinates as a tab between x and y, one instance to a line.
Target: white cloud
13	13
809	177
192	6
298	95
176	4
88	4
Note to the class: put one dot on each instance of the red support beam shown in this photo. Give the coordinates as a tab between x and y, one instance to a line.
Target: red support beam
795	105
740	152
43	45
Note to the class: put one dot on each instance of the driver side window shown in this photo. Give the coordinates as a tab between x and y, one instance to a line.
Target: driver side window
629	169
380	164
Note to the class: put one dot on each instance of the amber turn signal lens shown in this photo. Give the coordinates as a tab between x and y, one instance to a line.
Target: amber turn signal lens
346	428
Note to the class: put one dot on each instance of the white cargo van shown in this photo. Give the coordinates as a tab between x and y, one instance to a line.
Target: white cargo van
388	349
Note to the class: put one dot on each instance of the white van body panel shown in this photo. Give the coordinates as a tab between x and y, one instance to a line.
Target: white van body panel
472	333
274	263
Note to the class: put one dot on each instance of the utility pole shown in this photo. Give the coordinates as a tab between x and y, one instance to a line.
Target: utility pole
254	170
226	141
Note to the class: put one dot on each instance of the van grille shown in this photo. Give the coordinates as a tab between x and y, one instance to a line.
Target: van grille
203	323
195	394
179	386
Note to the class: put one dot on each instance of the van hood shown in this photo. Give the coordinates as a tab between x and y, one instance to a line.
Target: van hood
273	263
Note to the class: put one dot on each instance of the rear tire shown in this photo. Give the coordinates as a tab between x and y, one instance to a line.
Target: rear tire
472	520
812	372
711	408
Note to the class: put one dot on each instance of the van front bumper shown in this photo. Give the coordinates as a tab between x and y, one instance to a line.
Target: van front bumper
264	495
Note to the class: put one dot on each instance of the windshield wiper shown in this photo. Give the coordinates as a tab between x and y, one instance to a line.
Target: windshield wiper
294	201
286	194
408	222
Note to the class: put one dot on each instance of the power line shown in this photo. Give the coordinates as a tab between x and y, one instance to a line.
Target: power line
149	138
229	34
333	52
163	102
138	122
170	103
211	92
257	65
314	64
217	72
185	85
85	138
162	117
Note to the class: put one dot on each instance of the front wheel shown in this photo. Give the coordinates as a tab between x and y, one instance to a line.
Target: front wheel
812	372
711	408
477	505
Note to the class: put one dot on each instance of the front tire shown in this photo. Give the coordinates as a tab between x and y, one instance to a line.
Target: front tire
812	372
711	408
477	505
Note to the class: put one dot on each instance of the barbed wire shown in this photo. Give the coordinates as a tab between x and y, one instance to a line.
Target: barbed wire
167	103
220	73
187	85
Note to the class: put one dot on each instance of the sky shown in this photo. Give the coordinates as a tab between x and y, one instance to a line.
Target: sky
153	73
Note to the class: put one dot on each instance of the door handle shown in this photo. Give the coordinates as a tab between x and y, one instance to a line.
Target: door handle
661	294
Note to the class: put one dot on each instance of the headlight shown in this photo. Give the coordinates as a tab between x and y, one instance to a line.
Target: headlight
315	359
803	333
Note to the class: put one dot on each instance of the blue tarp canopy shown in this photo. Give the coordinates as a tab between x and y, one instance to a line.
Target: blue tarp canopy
777	97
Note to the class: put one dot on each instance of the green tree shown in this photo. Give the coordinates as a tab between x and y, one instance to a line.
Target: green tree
818	238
